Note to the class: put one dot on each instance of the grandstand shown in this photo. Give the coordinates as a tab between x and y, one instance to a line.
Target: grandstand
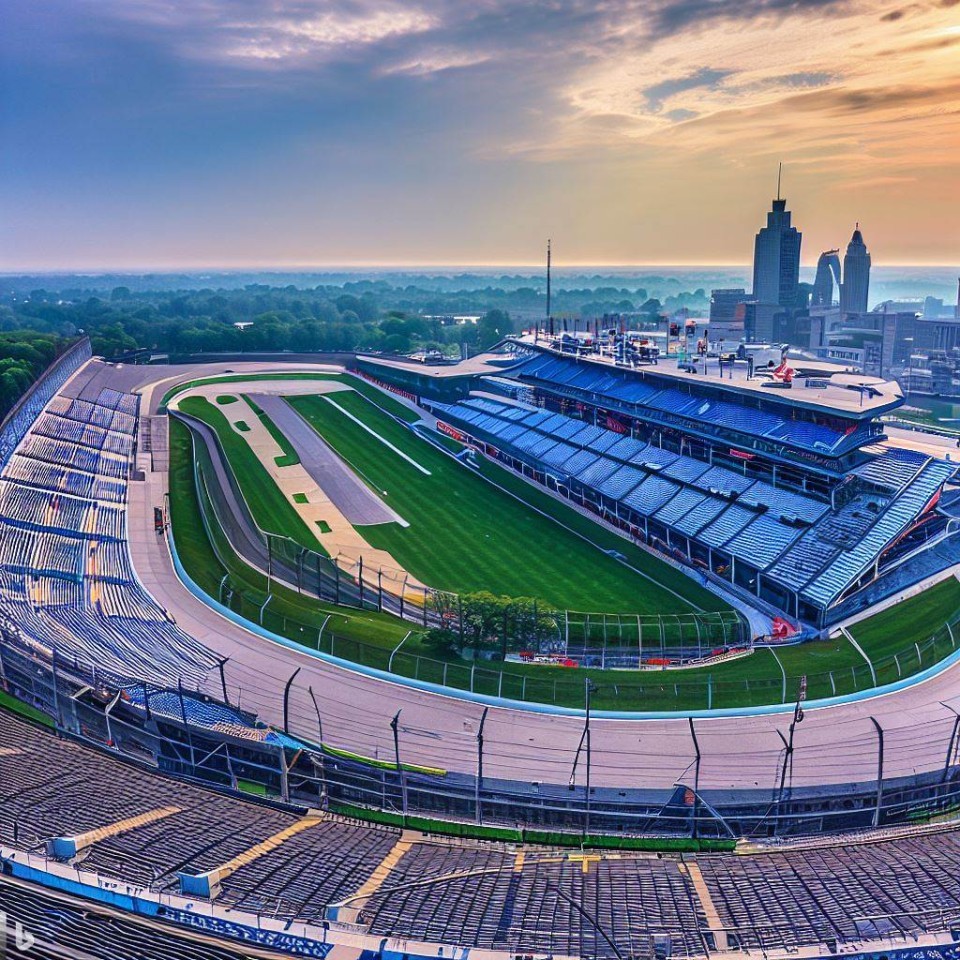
158	837
65	575
788	496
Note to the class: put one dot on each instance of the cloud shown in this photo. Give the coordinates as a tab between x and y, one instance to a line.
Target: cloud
681	114
675	16
705	77
436	61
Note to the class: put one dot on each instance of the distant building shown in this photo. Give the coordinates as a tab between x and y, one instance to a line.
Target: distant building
776	259
828	276
855	289
725	324
759	320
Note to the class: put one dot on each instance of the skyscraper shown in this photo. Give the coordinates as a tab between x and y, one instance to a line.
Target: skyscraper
855	288
776	258
828	273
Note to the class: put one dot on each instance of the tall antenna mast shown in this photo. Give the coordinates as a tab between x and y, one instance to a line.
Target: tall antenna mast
779	174
548	280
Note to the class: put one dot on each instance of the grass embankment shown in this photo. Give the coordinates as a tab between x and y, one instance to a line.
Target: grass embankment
464	535
892	633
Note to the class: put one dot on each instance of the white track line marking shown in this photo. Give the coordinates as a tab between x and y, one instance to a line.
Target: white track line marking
373	433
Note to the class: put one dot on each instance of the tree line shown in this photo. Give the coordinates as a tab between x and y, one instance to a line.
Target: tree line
24	355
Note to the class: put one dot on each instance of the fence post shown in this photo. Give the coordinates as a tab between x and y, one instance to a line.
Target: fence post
709	691
479	782
876	813
395	726
953	739
286	701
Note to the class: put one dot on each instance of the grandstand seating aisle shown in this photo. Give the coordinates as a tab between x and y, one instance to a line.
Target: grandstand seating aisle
468	893
64	564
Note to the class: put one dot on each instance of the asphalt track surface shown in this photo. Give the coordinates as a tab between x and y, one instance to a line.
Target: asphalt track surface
835	744
349	494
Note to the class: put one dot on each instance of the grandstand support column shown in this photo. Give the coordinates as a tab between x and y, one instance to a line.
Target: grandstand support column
696	779
395	727
876	812
286	701
479	783
952	745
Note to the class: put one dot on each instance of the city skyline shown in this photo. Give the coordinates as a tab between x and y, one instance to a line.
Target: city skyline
232	134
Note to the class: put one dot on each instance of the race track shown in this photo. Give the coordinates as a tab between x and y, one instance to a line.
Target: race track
834	744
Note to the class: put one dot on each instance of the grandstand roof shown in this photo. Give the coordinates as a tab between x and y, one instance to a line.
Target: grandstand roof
817	385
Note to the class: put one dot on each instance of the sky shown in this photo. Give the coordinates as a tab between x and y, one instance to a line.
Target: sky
140	134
